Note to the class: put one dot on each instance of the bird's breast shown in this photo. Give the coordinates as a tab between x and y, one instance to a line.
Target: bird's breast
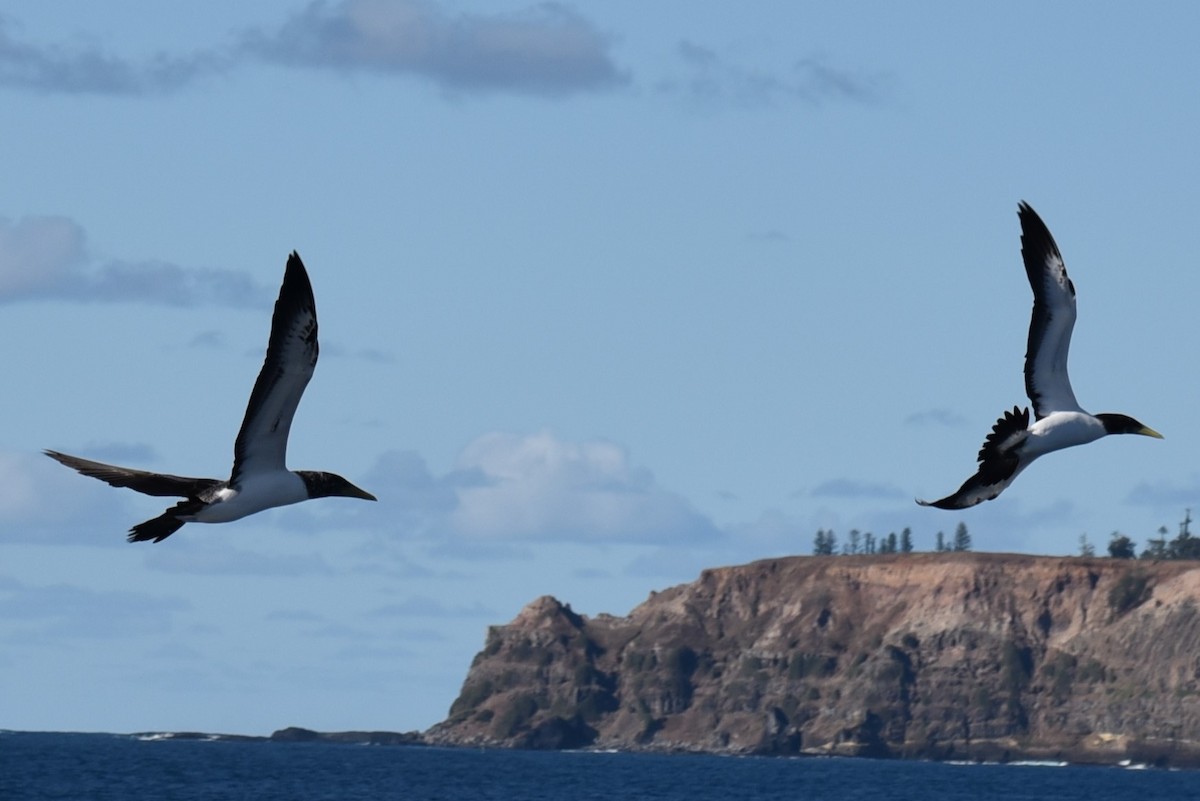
254	493
1062	430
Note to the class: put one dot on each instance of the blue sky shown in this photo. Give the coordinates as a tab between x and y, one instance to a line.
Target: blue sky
609	293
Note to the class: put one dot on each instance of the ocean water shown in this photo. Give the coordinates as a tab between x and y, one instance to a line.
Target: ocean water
104	766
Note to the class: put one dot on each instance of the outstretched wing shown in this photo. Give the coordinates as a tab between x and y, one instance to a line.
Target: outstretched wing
291	357
1046	381
160	484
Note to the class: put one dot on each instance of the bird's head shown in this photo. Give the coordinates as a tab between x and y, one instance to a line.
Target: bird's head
1124	424
330	485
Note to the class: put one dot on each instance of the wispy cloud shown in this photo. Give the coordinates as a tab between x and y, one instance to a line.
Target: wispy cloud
373	355
84	69
381	357
545	49
209	340
46	258
709	76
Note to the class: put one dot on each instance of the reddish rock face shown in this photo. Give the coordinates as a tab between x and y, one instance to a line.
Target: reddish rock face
949	655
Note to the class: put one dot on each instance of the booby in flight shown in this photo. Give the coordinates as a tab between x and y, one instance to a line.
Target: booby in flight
1059	420
260	478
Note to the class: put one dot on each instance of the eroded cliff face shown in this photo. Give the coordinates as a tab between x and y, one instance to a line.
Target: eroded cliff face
962	655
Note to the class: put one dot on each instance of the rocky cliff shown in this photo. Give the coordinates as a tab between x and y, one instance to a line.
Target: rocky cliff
952	655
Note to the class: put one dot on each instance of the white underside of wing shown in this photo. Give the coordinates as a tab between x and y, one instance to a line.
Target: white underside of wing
1048	367
265	433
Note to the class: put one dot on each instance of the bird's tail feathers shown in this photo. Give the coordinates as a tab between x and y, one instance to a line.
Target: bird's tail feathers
1004	434
166	524
155	530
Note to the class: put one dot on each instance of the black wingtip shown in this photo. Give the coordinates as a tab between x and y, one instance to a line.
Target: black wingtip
295	278
155	530
1033	228
959	500
1031	221
295	272
944	503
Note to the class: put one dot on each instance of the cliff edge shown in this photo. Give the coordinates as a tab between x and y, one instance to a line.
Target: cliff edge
942	656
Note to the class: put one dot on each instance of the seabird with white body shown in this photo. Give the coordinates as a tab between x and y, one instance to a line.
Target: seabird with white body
1059	421
260	478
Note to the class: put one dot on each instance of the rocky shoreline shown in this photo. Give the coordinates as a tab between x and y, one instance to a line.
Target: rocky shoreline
294	734
1133	755
951	656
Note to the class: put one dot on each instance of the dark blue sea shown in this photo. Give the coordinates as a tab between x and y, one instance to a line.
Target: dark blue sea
106	766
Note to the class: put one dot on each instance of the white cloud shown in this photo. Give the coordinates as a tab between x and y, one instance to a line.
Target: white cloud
512	488
541	487
46	258
545	49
